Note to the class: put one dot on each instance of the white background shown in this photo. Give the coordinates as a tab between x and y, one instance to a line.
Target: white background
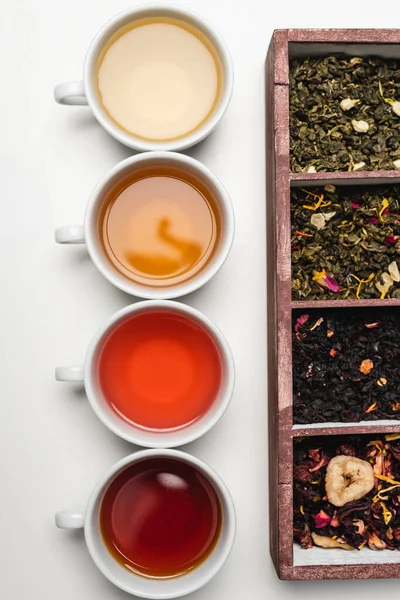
53	449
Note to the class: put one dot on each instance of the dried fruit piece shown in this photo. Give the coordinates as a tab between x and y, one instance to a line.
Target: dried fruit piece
394	271
347	479
326	542
366	366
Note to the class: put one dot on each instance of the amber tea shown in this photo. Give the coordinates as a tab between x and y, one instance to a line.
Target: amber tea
344	113
160	226
345	242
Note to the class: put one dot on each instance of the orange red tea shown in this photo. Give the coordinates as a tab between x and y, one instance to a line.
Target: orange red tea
160	517
160	370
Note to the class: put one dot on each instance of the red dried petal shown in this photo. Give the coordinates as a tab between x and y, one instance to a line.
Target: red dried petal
354	204
322	519
390	240
373	220
322	463
300	321
331	284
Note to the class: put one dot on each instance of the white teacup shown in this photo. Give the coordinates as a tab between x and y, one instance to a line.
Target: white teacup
89	234
85	92
87	374
129	581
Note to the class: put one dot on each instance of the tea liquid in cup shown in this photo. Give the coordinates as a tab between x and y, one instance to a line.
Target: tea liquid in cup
159	524
158	374
160	517
157	77
160	370
158	225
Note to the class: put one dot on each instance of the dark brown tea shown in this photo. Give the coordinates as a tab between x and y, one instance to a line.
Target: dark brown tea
160	517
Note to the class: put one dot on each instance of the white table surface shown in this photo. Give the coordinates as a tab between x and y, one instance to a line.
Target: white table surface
53	449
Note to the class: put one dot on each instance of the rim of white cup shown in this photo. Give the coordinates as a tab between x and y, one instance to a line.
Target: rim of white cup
229	518
156	439
140	11
110	272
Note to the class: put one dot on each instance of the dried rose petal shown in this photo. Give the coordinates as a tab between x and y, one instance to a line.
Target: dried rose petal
322	519
295	248
371	325
355	204
390	240
300	321
331	283
324	461
332	352
373	220
326	281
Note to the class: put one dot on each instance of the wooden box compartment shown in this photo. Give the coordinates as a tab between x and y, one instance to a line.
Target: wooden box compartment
293	563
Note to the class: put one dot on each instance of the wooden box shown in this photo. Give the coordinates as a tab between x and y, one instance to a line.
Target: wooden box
290	562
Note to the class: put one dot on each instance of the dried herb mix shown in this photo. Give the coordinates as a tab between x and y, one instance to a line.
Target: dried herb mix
365	471
345	242
346	365
344	113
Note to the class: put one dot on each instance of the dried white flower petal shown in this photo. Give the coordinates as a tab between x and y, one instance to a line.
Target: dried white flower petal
359	165
397	163
355	61
323	541
348	478
318	220
360	126
311	169
394	271
330	188
348	104
329	215
396	108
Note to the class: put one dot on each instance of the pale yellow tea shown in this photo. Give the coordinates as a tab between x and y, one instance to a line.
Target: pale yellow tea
159	78
160	226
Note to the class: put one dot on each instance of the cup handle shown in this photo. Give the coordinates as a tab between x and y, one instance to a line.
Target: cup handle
66	519
72	234
70	374
71	93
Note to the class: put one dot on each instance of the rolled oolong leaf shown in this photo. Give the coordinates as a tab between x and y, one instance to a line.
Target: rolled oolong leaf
345	242
344	113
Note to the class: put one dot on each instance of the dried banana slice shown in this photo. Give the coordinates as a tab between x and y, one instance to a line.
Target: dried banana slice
326	542
347	479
